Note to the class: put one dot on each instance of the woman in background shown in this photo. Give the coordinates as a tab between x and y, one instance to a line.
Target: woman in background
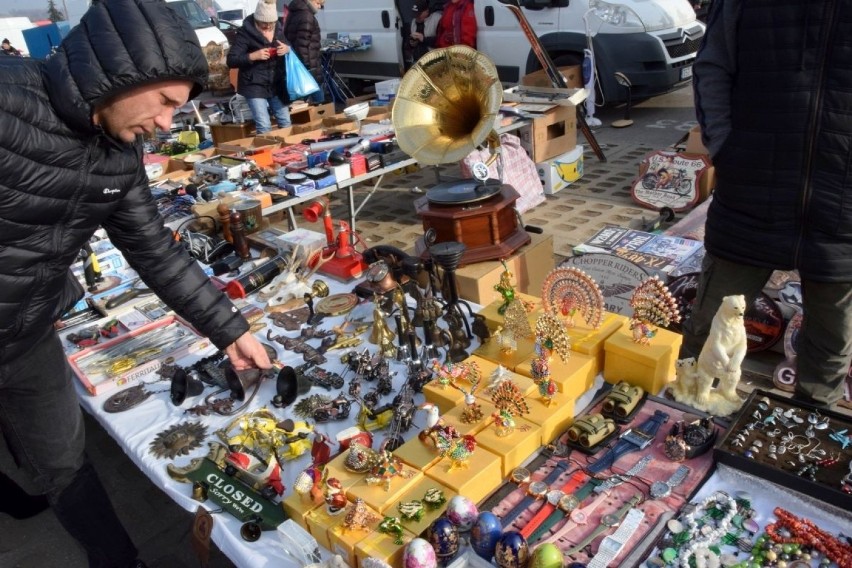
257	53
303	33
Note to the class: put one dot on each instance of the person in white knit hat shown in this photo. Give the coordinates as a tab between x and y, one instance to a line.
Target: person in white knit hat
258	53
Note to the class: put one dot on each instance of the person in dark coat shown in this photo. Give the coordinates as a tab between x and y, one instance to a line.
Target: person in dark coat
7	49
771	102
303	33
72	162
257	53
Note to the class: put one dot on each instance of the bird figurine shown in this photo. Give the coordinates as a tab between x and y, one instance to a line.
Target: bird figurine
653	305
457	450
473	411
509	401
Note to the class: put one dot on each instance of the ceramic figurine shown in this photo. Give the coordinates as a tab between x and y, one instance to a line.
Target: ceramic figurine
510	402
505	288
567	291
472	412
721	358
653	305
458	450
434	424
335	497
358	518
552	335
540	370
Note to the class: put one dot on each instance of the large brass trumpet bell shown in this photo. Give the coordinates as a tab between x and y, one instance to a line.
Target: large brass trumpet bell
446	105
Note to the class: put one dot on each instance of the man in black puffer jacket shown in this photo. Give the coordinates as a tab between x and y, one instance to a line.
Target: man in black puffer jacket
773	91
303	33
70	161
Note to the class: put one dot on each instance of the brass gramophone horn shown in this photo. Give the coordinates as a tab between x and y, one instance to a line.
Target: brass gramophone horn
447	105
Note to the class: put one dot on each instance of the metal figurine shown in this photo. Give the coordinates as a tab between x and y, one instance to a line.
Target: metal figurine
570	290
510	402
505	288
457	450
653	305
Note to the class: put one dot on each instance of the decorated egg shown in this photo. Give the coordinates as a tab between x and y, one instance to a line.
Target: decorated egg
462	512
444	538
419	554
546	556
485	533
512	550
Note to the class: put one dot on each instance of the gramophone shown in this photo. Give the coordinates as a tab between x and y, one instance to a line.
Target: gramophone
445	107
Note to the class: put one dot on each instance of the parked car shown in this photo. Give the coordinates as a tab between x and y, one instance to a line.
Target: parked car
229	29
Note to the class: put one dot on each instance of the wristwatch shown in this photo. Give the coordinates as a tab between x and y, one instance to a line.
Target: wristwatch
578	517
611	545
607	522
618	479
630	441
566	504
536	490
662	489
552	502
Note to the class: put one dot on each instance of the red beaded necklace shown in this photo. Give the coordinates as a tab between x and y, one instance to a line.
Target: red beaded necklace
806	533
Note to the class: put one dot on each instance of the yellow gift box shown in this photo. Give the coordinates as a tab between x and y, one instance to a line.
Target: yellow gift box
553	419
382	547
375	495
573	377
495	320
482	475
590	341
416	493
513	448
647	366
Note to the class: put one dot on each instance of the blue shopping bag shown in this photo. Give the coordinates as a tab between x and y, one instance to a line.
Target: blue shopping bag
300	82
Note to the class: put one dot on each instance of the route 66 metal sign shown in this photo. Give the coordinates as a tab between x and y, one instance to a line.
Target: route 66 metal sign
669	179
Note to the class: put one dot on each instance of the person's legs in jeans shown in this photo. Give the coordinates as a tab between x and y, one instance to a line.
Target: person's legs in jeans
825	341
260	112
41	420
281	112
719	278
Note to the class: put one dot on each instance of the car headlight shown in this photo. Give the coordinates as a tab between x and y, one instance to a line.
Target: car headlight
616	18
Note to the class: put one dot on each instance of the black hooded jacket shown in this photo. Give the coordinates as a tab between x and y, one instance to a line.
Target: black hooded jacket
61	177
303	33
258	79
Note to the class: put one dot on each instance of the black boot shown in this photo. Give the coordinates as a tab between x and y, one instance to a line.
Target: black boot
84	509
18	503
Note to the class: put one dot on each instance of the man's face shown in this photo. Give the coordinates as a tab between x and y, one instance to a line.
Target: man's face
141	110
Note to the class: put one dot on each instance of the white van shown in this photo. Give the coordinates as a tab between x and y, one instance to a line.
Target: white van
13	30
203	23
652	42
234	11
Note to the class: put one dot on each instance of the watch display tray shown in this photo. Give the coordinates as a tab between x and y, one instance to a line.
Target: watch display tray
660	469
826	485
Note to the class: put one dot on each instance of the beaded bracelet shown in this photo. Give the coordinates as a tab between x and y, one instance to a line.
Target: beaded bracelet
700	540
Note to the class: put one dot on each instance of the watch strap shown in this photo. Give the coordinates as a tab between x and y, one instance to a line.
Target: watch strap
678	476
612	545
516	510
548	508
558	470
603	527
614	480
571	525
559	514
649	428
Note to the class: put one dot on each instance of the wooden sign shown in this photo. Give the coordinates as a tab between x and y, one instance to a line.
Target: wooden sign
669	179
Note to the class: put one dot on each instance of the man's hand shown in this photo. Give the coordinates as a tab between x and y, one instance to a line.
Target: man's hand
247	353
417	35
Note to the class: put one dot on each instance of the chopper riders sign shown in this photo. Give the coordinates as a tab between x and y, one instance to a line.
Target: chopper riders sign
669	179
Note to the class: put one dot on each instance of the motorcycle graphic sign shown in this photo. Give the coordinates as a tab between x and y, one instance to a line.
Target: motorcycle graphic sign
669	179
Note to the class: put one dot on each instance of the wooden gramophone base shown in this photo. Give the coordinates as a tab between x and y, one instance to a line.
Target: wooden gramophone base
490	229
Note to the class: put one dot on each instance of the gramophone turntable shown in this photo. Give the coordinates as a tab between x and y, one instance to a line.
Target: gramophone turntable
445	107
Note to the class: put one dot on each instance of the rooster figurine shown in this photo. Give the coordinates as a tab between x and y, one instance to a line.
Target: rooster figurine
457	450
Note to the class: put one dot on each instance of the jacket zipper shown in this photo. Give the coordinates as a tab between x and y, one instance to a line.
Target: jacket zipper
811	142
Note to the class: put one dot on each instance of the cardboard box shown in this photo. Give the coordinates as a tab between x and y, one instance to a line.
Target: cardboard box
250	143
573	75
530	265
225	132
551	135
561	171
386	90
311	113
